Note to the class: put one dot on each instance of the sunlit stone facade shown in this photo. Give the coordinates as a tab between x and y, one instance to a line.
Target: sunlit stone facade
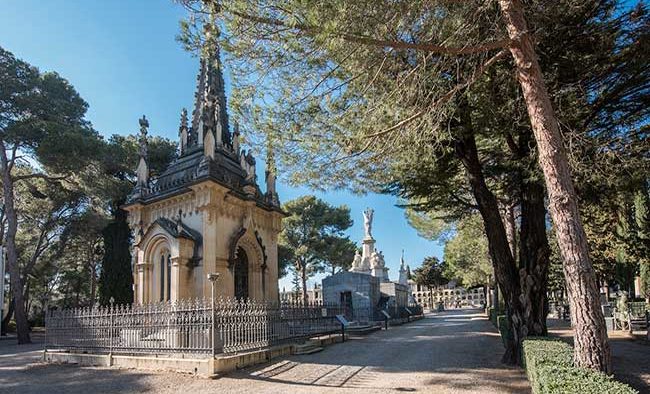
205	213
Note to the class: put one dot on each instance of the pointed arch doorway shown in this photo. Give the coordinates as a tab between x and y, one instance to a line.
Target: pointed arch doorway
241	274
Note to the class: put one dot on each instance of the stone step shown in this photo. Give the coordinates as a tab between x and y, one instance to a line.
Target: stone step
310	346
362	330
310	350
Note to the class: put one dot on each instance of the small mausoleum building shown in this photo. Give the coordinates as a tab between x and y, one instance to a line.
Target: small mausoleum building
367	286
205	213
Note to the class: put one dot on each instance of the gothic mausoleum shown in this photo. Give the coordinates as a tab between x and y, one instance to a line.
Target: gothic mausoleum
205	213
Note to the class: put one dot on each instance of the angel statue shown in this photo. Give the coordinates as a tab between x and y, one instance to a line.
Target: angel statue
367	221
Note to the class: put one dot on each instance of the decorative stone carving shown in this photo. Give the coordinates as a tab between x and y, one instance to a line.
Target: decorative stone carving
143	167
232	246
183	131
356	263
208	145
235	139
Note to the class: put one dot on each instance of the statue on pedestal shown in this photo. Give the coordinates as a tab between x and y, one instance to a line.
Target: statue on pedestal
367	221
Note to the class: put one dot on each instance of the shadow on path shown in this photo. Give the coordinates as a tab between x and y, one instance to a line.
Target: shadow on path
21	371
449	351
454	351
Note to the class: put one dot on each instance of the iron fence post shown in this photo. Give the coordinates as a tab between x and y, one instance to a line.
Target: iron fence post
213	279
110	332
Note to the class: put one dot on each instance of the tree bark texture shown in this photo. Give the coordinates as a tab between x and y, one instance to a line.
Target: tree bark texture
511	228
590	340
534	257
7	318
17	285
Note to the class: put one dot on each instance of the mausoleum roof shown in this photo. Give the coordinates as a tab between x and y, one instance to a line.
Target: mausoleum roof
209	150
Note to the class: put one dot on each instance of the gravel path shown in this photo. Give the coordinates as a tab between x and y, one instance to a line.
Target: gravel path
450	352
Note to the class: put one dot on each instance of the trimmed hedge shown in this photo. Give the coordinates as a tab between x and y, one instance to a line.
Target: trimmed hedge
550	369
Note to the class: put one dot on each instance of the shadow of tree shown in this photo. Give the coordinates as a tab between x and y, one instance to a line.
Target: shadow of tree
447	351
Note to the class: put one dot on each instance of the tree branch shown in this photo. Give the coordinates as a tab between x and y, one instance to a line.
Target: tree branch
40	176
446	97
426	46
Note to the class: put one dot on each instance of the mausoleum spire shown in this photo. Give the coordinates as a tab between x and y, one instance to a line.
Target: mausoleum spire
210	112
183	131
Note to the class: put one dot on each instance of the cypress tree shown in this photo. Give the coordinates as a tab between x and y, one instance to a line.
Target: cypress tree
116	278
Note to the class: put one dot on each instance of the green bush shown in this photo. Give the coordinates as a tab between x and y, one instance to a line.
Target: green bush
550	369
504	328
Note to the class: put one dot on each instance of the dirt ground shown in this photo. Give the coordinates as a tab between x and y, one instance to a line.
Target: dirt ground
449	352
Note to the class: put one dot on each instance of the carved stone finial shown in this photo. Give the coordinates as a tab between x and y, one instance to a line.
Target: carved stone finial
143	167
183	131
235	138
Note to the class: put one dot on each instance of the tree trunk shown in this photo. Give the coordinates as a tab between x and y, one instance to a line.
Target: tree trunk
303	280
534	257
17	285
5	321
496	295
26	299
511	228
505	270
590	339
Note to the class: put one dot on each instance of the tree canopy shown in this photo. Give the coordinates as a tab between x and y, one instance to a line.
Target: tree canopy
312	237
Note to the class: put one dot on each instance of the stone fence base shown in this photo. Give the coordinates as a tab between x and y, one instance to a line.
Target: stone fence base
205	367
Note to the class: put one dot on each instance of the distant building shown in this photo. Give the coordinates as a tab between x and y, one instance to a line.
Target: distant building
450	296
313	295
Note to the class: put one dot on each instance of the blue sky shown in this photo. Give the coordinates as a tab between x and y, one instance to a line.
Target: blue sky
122	57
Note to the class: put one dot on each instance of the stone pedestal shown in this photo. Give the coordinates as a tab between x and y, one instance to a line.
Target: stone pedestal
368	247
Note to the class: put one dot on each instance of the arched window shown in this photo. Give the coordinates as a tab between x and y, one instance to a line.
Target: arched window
168	277
241	274
162	277
165	275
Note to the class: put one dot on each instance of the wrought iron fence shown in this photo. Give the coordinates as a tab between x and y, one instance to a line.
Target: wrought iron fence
186	326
